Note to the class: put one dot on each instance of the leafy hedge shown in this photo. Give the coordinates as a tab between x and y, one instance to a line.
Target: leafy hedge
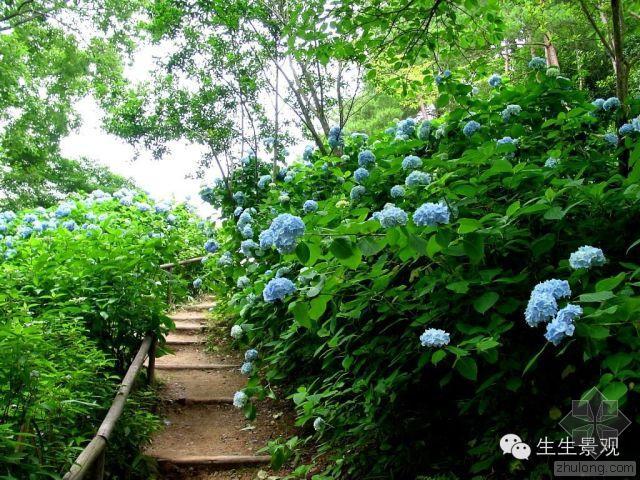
80	289
519	176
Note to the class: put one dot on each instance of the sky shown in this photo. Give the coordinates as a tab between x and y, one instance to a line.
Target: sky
167	178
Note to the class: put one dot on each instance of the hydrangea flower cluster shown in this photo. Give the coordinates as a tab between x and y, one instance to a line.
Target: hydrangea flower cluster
442	76
361	175
366	158
495	80
424	130
511	111
310	206
277	289
397	191
405	129
247	248
562	325
225	259
417	178
411	162
197	283
335	138
610	104
431	214
285	230
243	282
263	181
64	210
586	257
360	137
434	337
308	153
236	332
266	239
598	103
505	141
538	63
239	198
543	304
551	162
318	423
240	399
611	139
251	355
246	368
470	128
626	129
211	246
357	192
391	216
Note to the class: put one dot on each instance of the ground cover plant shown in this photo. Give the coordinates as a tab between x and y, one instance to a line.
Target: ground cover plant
420	291
80	289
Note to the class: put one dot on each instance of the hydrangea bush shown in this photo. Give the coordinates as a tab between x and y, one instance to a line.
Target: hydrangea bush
444	294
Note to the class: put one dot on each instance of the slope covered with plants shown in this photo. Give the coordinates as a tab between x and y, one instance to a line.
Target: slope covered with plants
469	274
81	287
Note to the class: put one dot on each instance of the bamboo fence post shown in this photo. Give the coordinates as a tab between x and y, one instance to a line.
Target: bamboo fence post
151	369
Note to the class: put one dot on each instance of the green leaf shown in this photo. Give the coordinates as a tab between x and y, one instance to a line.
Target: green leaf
371	246
596	297
433	246
468	225
542	245
617	361
341	248
610	283
513	208
485	301
554	213
301	314
459	287
615	391
467	367
438	356
473	245
303	252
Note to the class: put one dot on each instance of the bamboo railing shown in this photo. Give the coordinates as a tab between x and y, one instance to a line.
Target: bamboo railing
91	460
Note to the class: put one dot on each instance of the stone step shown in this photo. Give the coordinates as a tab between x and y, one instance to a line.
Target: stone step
189	326
207	432
189	316
176	339
203	306
201	386
224	461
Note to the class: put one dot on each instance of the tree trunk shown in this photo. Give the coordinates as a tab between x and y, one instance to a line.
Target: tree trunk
550	52
621	68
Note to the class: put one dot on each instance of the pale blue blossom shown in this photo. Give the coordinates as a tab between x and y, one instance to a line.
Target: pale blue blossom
70	225
434	337
495	80
416	178
511	111
598	103
236	332
247	247
424	130
310	206
239	198
470	128
286	230
266	239
243	282
197	283
431	214
411	162
392	216
308	152
397	191
357	192
611	138
277	289
361	175
335	138
366	158
586	257
551	162
626	129
246	368
240	399
225	259
610	104
247	231
264	180
538	63
211	246
562	325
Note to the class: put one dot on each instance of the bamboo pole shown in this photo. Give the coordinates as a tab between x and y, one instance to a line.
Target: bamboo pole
98	445
167	266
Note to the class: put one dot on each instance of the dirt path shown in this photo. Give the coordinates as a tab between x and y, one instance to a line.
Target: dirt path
205	436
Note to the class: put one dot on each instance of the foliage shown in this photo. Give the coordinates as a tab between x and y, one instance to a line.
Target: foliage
81	288
500	218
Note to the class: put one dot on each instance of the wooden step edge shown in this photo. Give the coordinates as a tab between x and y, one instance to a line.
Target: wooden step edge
185	342
198	306
190	328
196	366
219	460
202	401
188	318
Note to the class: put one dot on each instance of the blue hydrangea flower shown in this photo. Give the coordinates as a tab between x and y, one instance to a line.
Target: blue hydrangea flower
239	198
562	326
416	178
247	231
247	247
505	141
24	231
264	180
310	206
554	287
495	80
286	230
431	214
64	210
424	130
434	337
610	104
318	423
282	271
366	158
277	289
197	283
238	211
541	308
266	239
211	246
611	138
470	128
126	201
442	76
308	152
392	216
240	399
551	162
598	103
361	175
3	227
406	127
225	259
30	218
626	129
246	368
171	218
397	191
244	219
10	253
360	137
69	225
9	216
243	282
538	63
143	207
357	192
236	332
586	257
511	111
163	207
411	162
390	131
251	355
335	138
